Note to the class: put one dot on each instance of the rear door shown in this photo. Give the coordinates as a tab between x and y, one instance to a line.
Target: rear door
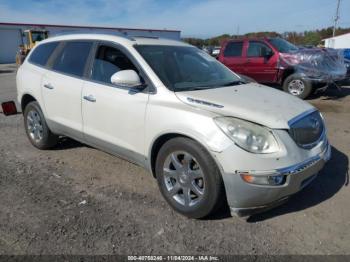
114	116
232	56
261	62
62	87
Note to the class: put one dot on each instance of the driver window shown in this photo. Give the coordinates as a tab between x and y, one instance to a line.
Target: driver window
108	61
258	49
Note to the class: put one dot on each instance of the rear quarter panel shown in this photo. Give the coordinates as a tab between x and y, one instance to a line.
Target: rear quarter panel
28	81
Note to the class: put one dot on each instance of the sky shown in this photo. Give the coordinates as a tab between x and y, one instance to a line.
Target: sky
195	18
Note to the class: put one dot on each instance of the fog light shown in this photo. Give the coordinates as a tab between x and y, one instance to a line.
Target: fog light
263	180
276	180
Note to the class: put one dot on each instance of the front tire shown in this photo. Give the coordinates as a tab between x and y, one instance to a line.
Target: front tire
189	178
297	86
36	127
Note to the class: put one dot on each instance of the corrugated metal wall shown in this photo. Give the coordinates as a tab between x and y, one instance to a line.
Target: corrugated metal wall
10	39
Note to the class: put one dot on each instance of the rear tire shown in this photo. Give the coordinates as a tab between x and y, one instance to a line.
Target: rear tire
36	127
189	178
297	86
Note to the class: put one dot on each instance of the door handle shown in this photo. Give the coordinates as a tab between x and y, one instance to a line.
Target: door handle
90	98
49	86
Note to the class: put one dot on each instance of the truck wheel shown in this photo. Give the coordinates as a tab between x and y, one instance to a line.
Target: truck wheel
189	178
297	86
36	127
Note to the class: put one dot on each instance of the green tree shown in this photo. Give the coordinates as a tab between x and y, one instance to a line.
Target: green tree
311	37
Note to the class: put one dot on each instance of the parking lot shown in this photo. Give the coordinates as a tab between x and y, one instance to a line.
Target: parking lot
78	200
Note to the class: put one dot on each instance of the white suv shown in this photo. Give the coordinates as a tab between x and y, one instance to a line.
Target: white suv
208	136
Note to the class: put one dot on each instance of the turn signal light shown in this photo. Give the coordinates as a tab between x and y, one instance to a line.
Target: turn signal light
273	180
247	178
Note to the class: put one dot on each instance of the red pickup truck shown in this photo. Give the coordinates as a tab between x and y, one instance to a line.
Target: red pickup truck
278	62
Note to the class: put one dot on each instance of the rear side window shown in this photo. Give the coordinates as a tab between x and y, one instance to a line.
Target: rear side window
41	54
72	59
233	49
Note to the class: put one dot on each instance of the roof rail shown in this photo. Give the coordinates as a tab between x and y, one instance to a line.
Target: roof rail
143	36
73	32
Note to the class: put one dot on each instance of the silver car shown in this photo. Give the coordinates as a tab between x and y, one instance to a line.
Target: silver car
208	136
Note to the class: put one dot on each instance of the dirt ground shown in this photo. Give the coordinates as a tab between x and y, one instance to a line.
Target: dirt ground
78	200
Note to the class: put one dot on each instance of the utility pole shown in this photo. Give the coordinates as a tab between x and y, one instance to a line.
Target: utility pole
336	18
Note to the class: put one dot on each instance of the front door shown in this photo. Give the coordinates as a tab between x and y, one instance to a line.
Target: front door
113	117
261	64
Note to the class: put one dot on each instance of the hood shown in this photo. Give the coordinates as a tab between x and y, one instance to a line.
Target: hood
252	102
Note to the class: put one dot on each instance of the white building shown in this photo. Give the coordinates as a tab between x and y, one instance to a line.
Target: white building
338	42
11	35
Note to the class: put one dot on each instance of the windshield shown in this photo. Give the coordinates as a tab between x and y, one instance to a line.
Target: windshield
38	36
183	68
282	45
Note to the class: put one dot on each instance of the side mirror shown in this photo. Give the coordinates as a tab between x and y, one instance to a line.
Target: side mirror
127	79
268	53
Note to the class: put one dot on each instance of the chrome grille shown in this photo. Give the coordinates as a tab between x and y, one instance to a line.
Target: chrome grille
307	130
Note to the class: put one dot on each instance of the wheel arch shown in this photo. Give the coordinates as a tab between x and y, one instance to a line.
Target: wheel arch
26	99
160	141
287	73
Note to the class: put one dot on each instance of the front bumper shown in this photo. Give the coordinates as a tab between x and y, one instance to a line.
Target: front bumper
246	199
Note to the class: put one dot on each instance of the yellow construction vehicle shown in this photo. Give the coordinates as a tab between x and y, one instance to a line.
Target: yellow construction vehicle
31	38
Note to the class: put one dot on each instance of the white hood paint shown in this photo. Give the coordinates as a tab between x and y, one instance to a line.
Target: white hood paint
253	102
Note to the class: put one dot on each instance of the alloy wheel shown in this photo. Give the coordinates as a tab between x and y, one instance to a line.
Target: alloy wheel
296	87
183	178
34	126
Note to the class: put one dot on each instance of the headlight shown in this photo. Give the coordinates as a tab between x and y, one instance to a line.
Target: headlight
249	136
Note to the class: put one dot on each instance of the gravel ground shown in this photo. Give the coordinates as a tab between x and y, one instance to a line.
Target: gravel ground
78	200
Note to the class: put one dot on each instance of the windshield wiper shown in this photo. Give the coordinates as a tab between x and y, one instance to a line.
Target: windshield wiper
235	83
194	88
